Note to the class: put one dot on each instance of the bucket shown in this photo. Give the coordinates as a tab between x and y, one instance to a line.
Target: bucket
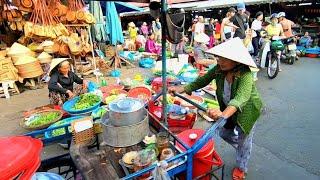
205	158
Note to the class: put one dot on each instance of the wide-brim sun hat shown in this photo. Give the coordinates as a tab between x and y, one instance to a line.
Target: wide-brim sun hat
56	61
131	24
241	6
233	50
202	38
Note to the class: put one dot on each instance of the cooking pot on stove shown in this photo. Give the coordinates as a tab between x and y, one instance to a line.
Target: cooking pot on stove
126	111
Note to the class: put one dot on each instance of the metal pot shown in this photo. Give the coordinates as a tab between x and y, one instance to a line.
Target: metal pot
123	136
126	111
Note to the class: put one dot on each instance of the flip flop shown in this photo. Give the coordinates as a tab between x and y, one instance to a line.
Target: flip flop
238	174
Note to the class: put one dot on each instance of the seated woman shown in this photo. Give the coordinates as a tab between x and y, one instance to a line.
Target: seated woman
151	46
200	48
61	82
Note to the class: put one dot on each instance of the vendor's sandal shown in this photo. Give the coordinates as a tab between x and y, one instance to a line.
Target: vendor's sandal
238	174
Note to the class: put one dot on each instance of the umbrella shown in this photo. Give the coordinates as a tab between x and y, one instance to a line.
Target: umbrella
113	25
114	31
99	29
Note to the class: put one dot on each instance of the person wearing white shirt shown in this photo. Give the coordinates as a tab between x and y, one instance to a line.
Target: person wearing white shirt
256	27
199	27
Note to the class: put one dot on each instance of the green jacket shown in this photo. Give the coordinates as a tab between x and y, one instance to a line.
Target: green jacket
244	95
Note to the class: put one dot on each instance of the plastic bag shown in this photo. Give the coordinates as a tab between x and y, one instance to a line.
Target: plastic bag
147	63
188	73
92	86
160	173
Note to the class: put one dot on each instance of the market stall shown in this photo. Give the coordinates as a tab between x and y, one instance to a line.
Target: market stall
46	30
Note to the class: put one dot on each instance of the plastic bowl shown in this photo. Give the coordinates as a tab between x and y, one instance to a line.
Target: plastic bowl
67	106
142	93
48	134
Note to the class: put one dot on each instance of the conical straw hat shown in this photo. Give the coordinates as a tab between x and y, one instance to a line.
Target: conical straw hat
44	55
25	60
55	62
233	50
17	48
202	38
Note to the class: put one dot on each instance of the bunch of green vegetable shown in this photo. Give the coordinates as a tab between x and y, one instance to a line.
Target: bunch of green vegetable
101	111
60	131
86	101
42	119
212	104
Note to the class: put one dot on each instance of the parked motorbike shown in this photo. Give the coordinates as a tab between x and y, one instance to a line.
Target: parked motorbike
289	54
270	54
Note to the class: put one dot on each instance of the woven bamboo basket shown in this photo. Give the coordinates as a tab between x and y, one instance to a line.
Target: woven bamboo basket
3	53
30	70
64	50
83	137
15	57
43	126
7	70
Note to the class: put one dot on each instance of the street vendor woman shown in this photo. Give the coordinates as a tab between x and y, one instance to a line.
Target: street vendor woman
238	98
62	80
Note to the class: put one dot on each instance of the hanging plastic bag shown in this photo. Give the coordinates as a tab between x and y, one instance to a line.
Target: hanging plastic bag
160	173
92	86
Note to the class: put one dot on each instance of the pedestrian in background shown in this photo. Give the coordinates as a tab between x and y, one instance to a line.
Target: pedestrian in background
228	27
256	27
240	19
144	29
192	29
217	26
156	28
133	31
211	32
199	27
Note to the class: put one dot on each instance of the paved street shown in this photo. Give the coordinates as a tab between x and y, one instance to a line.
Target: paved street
287	136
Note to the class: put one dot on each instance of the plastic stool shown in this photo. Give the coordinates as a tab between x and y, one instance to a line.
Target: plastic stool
8	86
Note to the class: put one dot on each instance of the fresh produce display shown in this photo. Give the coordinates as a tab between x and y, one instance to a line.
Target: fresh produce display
212	104
41	119
99	113
60	131
86	101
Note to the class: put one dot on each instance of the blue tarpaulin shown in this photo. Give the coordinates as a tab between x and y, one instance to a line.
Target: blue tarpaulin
122	7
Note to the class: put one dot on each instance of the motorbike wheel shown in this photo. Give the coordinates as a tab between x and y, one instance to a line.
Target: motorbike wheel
273	66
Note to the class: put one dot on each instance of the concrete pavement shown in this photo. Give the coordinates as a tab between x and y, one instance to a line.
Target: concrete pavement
287	136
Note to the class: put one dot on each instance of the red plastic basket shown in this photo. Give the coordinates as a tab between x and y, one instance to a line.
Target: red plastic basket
176	126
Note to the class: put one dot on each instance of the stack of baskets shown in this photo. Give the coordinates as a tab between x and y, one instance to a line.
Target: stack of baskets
17	50
7	70
28	67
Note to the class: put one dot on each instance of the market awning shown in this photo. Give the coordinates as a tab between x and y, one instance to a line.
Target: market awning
126	7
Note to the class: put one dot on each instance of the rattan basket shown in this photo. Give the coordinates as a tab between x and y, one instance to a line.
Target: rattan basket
85	136
43	126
